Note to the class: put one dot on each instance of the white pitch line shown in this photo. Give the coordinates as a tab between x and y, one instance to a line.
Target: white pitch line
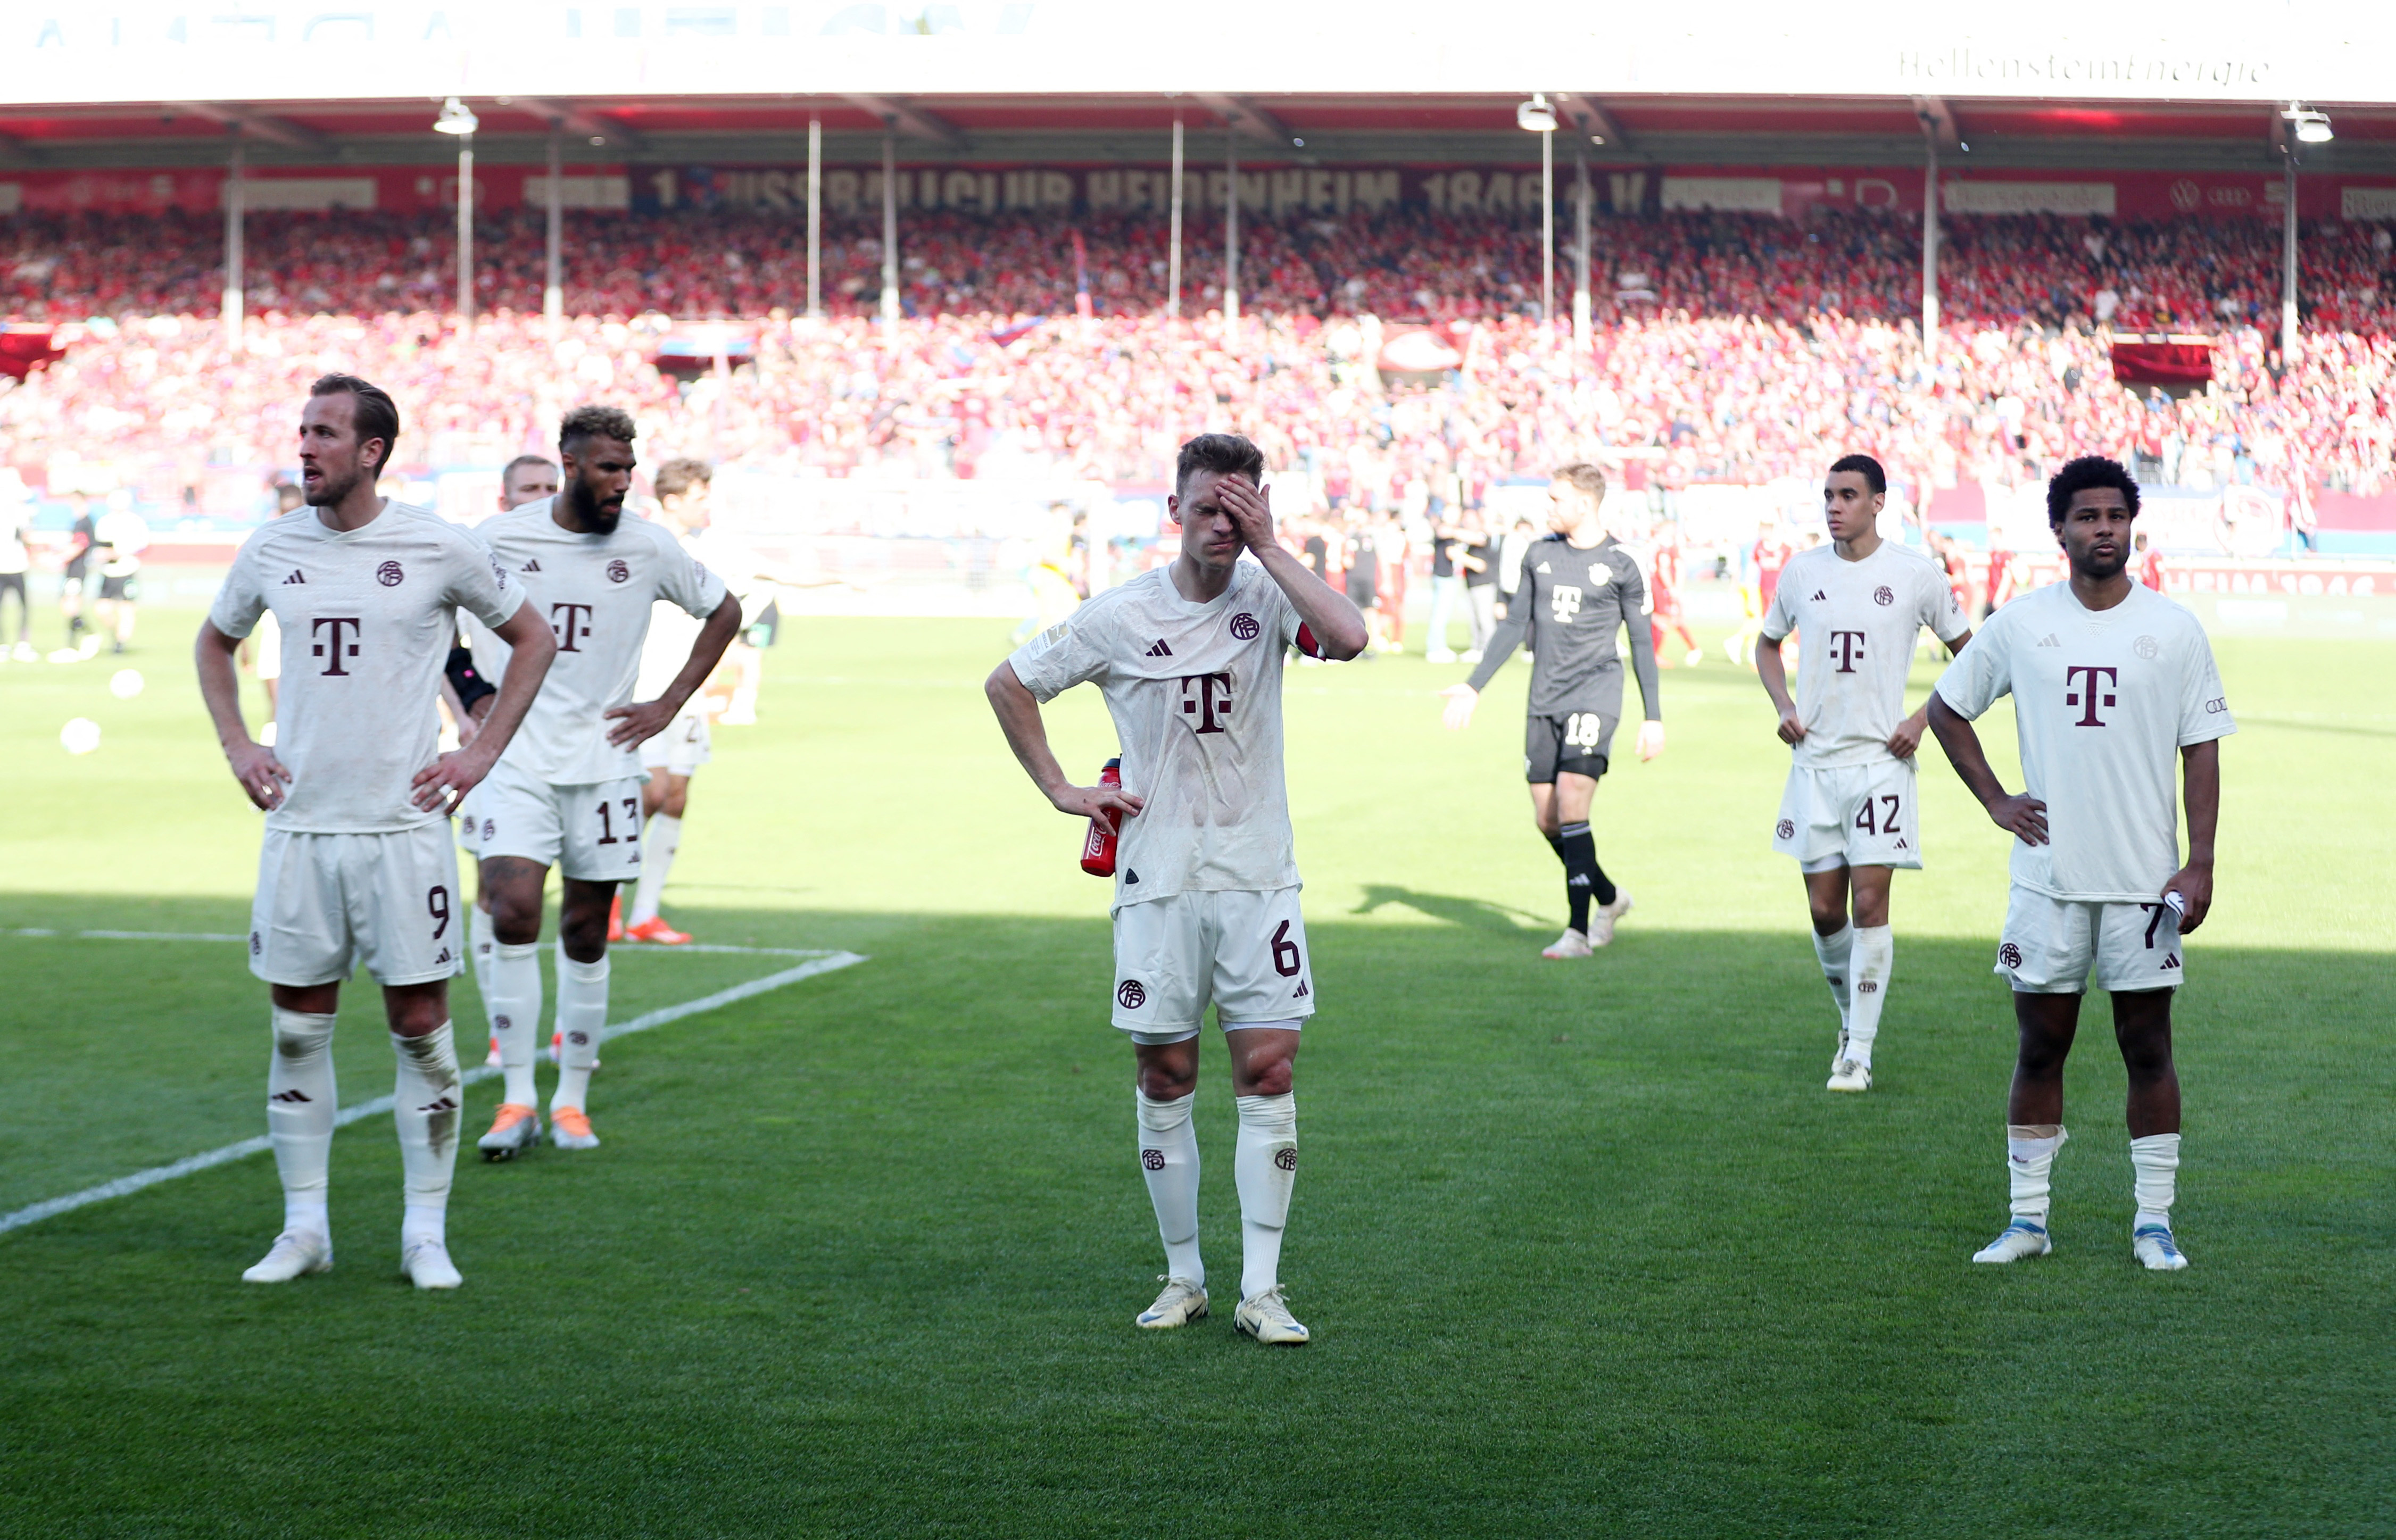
819	962
635	949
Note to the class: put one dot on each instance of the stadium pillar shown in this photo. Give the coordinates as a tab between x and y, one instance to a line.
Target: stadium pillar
1580	255
552	294
1930	252
815	219
234	281
889	223
1231	224
466	231
2288	270
1547	233
1173	257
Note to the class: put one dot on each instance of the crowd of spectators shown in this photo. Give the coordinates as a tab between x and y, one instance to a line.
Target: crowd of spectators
1994	271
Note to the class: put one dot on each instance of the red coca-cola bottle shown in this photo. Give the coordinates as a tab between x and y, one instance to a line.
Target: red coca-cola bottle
1098	846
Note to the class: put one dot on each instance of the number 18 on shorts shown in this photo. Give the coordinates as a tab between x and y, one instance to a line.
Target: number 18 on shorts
1244	952
1850	815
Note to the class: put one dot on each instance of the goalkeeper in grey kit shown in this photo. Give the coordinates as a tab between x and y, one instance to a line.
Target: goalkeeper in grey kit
1577	591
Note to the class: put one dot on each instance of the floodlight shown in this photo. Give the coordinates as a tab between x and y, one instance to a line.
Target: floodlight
456	118
1536	116
2311	124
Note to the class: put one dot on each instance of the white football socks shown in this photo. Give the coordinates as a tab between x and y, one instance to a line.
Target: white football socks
1875	954
2154	1164
1169	1158
581	1020
513	1001
2029	1160
1833	951
300	1108
479	944
1264	1166
665	838
426	1104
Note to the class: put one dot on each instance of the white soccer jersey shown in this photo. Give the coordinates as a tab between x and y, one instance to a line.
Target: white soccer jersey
672	631
1857	623
2102	700
368	616
1196	694
596	592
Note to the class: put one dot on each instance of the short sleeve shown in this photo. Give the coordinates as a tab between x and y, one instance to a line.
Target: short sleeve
1778	618
478	584
688	583
1981	673
2204	707
1069	652
241	599
1941	611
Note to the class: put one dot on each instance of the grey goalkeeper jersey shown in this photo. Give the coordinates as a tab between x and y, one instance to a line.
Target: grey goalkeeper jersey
1570	605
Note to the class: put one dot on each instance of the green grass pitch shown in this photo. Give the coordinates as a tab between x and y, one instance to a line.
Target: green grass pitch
1587	1248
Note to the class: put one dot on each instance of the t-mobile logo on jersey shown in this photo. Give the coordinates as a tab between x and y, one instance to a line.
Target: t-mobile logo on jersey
1207	699
572	624
1845	648
2091	695
337	639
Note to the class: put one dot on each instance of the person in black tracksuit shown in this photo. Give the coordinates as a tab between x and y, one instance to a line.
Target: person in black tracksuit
1579	589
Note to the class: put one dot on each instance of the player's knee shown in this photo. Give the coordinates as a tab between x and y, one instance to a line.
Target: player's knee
1167	1082
416	1014
584	935
1273	1077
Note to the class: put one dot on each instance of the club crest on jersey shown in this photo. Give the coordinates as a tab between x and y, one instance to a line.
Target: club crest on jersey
1245	627
618	572
2147	647
1884	595
2009	956
1600	574
1131	994
389	575
1786	829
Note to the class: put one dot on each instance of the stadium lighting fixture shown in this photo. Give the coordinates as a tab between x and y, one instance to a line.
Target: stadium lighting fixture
2311	125
456	118
1536	116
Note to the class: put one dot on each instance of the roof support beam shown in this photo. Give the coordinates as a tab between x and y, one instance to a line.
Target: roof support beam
257	124
909	119
1247	117
1589	116
583	121
1937	121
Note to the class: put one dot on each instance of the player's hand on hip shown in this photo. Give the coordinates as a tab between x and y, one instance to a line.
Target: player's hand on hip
1905	739
1792	732
1458	714
441	785
1090	801
1651	740
262	777
2194	886
639	722
1251	511
2023	816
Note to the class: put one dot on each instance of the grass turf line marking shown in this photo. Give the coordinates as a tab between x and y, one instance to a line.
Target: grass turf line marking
819	962
36	933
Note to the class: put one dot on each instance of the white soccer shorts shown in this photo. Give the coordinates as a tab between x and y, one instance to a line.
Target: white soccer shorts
469	827
683	747
1852	816
589	832
1244	952
329	902
2059	946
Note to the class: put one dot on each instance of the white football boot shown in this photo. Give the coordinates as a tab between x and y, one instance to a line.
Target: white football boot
1840	1056
1850	1075
2155	1249
1572	943
1603	916
295	1253
1181	1303
428	1266
2023	1238
1268	1319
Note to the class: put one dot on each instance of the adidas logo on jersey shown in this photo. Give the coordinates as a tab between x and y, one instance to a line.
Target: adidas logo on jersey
2171	962
1820	596
533	565
295	577
1160	650
2050	641
1131	878
1301	991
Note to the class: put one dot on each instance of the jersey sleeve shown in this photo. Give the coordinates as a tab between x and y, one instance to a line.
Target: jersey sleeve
2204	706
478	584
1941	611
1779	619
688	581
1071	652
241	599
1981	673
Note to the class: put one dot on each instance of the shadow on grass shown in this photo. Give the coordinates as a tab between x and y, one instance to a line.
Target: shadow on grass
1587	1249
1474	913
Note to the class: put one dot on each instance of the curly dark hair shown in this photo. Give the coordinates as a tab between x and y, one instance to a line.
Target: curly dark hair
590	423
2079	477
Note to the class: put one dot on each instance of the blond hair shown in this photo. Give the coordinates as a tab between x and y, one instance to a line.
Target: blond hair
1584	478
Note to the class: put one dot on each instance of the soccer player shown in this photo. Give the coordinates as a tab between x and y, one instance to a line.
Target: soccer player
16	557
1190	659
567	792
2109	678
357	865
1665	595
75	585
120	537
1577	592
1851	815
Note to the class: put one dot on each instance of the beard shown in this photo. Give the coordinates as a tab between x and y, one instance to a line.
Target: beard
2095	568
595	517
332	487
